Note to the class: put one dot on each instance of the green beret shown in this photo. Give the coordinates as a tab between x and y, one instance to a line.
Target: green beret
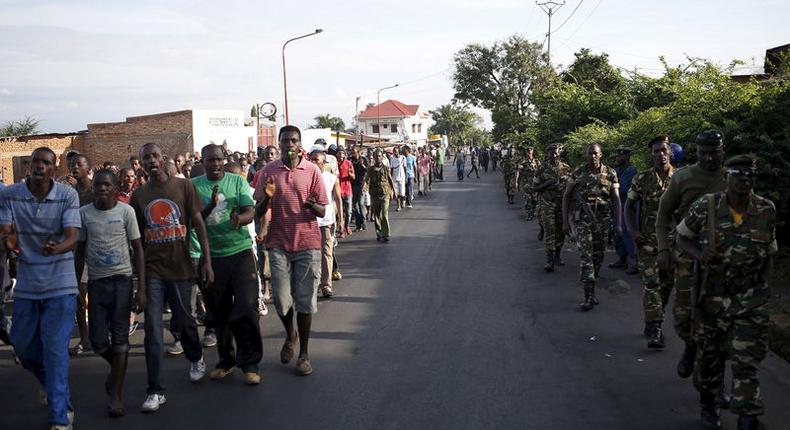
743	160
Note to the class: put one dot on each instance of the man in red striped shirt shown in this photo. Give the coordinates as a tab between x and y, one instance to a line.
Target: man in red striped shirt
293	189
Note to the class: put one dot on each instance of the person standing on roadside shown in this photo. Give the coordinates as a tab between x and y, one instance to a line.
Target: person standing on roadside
686	186
47	221
293	189
109	228
381	188
346	175
167	208
233	296
645	192
360	170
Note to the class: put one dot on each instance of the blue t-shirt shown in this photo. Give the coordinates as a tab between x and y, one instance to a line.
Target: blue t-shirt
39	276
411	165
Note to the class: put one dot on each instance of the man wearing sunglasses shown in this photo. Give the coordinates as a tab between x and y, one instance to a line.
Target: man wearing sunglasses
732	236
685	187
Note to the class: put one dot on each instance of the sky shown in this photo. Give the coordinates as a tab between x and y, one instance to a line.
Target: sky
71	63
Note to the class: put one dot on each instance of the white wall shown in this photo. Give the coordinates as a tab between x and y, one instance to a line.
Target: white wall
210	125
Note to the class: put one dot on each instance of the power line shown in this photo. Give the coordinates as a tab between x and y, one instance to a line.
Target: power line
585	20
550	7
569	17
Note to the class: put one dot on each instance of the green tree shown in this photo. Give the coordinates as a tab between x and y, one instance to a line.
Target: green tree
328	121
454	121
502	78
23	127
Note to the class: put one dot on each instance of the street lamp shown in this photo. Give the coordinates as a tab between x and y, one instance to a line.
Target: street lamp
378	107
285	83
356	118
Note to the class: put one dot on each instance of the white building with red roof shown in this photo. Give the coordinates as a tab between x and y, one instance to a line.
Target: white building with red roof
396	122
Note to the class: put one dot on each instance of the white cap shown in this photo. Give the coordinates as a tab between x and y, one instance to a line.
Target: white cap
317	148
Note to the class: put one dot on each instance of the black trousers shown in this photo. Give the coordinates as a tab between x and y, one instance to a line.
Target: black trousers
234	303
356	203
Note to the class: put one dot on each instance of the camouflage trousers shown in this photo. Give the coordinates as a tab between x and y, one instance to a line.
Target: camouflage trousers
657	285
530	200
591	236
681	308
551	220
739	335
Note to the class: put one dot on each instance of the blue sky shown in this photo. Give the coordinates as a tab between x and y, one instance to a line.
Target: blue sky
69	63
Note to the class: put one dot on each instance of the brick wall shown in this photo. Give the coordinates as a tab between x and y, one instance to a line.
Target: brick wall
116	141
23	146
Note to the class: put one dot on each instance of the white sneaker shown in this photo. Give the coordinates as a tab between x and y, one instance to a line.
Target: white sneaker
153	401
197	370
209	340
175	348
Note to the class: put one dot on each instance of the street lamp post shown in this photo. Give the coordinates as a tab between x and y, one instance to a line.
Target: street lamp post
378	107
356	118
285	82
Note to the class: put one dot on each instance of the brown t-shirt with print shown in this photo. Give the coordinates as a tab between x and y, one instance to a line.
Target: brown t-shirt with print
164	215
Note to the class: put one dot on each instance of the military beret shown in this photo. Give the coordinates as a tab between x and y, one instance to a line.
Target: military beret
743	160
623	150
710	138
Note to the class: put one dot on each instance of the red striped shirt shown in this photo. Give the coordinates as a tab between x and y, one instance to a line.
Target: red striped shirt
293	228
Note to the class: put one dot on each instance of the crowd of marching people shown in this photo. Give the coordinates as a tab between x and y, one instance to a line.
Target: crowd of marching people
210	237
699	230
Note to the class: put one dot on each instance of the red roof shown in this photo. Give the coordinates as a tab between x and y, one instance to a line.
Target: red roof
390	108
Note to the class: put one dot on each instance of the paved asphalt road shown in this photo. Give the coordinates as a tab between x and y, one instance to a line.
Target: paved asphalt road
453	324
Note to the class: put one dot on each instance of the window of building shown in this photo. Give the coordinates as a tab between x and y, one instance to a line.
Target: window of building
375	128
394	128
419	128
414	128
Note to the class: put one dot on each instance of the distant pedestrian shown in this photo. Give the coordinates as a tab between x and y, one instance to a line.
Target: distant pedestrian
381	190
398	169
411	174
330	221
459	161
360	164
346	176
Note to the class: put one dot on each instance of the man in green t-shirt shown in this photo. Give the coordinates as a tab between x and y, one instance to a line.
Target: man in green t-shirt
232	298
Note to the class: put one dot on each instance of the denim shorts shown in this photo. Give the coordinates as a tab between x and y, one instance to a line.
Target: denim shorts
109	307
295	277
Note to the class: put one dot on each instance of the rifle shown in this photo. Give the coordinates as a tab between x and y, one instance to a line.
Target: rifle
585	206
700	282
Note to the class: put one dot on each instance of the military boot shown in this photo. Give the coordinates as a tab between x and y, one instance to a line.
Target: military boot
557	259
748	422
710	418
686	363
589	297
549	267
656	340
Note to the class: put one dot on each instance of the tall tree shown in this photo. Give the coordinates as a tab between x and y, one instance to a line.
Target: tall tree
328	121
502	78
23	127
454	121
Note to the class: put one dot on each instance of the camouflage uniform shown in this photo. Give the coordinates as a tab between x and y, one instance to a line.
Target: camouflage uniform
733	319
591	233
509	169
550	202
647	188
687	185
528	170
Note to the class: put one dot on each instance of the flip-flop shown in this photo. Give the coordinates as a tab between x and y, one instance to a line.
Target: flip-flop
116	412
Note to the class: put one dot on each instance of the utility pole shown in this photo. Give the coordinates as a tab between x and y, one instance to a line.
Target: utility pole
550	7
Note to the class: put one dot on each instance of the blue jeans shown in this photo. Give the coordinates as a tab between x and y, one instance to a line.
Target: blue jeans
40	335
178	294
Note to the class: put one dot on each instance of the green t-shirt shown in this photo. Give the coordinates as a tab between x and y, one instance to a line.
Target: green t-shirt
234	194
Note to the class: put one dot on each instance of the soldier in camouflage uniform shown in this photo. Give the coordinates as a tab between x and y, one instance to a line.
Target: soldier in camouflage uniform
510	172
595	188
549	183
687	185
529	166
731	234
646	190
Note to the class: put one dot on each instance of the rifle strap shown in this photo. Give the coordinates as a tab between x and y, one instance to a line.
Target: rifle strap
711	220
